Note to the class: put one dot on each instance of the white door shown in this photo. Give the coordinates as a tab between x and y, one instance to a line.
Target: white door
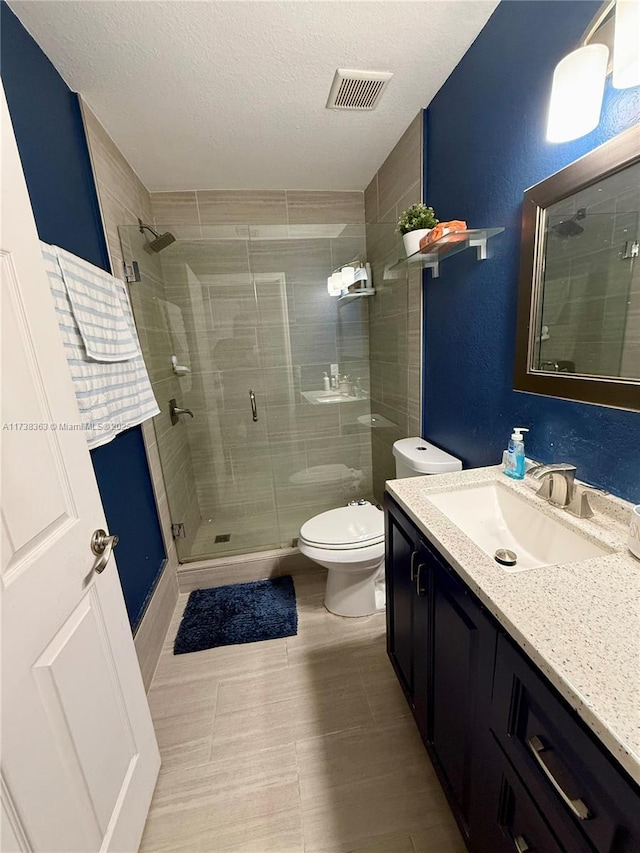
79	754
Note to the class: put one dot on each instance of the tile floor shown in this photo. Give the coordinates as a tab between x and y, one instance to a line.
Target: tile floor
299	745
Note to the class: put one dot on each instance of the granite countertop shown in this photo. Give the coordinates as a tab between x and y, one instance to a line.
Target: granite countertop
579	622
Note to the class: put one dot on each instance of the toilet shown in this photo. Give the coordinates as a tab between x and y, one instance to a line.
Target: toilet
349	540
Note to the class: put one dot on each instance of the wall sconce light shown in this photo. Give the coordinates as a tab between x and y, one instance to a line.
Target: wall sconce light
576	94
579	78
626	45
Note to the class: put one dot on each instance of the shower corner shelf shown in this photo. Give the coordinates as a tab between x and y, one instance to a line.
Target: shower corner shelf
446	247
349	297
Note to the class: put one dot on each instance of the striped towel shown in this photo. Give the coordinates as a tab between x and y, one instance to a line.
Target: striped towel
114	395
97	308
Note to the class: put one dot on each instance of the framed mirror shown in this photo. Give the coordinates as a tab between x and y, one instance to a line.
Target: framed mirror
578	332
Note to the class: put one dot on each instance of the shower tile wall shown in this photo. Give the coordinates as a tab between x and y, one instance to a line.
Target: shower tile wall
395	312
591	292
123	199
247	283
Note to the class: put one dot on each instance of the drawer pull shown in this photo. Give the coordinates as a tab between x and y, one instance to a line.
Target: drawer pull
578	807
412	564
521	844
419	589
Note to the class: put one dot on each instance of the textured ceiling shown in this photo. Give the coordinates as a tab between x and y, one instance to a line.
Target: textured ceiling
231	95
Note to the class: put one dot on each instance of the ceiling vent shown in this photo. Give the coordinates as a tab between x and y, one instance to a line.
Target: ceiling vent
357	90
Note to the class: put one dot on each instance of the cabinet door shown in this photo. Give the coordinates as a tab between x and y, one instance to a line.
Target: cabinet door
401	553
422	639
463	658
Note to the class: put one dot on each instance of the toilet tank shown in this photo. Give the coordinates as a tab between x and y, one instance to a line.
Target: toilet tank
416	457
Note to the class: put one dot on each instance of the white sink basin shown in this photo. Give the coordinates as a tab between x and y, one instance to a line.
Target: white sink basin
495	517
319	397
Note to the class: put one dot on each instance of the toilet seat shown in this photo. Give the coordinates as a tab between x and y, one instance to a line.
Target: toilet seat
345	528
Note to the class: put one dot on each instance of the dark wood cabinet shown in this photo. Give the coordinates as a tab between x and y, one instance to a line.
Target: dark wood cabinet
402	540
408	617
462	655
521	771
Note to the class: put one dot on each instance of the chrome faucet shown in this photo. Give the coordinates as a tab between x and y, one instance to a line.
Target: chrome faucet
560	489
557	483
175	411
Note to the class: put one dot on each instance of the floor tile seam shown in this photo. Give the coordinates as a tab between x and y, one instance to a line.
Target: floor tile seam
192	707
366	695
302	700
216	799
180	767
425	789
187	768
334	682
374	729
213	719
307	681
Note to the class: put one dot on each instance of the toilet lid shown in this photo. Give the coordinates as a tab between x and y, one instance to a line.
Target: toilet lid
349	525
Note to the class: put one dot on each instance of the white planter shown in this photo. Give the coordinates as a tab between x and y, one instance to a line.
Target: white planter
412	240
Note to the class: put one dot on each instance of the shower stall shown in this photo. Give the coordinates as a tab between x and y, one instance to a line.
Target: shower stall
237	326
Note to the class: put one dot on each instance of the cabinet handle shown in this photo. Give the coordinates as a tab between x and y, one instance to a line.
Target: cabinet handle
520	844
419	590
414	554
577	807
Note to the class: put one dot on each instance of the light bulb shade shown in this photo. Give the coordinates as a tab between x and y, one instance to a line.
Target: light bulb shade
348	276
576	95
626	45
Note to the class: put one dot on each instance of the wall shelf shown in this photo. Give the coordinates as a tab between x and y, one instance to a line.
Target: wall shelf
446	247
349	297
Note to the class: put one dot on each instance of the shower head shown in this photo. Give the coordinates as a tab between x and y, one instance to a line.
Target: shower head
570	227
160	241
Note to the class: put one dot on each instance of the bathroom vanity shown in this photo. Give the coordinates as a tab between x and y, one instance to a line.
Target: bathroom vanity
524	684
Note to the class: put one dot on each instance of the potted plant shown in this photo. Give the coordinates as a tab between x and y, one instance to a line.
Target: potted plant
414	223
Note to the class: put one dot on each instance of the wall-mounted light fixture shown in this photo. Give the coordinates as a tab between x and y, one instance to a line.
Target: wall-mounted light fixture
579	78
353	277
626	45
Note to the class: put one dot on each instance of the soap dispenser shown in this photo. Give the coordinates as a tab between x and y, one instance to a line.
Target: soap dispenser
514	464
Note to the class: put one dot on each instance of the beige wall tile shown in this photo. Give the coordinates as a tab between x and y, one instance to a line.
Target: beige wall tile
401	170
371	201
313	207
250	207
175	208
395	313
412	196
152	629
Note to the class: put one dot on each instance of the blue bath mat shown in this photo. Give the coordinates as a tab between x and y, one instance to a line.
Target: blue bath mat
239	613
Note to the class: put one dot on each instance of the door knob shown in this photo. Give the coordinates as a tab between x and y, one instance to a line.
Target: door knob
102	545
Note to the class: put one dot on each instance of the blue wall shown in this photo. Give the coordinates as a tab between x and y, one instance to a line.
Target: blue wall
55	158
484	145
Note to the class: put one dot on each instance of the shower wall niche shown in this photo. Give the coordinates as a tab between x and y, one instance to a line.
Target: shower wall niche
244	306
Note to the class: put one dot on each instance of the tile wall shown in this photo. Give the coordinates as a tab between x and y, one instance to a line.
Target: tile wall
591	291
123	199
395	312
247	282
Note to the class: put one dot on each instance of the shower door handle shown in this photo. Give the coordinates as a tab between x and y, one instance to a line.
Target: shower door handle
254	408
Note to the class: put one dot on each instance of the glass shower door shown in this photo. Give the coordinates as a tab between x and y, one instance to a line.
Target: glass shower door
245	309
197	317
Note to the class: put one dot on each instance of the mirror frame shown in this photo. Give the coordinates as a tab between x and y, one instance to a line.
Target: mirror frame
613	156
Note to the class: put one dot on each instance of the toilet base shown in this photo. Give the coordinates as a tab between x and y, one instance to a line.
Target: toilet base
352	594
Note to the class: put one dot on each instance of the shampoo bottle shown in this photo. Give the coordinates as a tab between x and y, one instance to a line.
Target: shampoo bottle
514	465
326	384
